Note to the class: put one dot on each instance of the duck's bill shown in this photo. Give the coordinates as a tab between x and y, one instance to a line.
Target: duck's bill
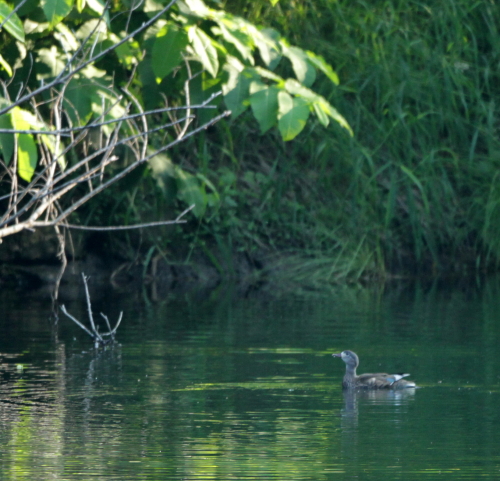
337	355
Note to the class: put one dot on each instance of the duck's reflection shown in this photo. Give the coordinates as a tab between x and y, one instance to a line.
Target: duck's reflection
378	396
349	414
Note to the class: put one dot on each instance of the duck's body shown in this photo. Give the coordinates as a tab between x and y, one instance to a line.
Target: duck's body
379	380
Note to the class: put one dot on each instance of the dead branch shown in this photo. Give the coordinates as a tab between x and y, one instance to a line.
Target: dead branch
93	332
41	203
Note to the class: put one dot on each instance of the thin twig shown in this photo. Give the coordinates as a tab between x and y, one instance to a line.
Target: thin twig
89	309
94	333
76	321
60	79
67	131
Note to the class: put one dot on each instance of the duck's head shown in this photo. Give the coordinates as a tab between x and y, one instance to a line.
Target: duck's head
349	357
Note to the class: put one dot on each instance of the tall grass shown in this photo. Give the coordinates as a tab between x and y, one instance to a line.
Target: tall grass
418	186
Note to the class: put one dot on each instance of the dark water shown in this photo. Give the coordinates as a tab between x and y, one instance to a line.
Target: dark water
219	387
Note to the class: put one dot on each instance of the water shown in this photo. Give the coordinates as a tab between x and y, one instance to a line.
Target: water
228	388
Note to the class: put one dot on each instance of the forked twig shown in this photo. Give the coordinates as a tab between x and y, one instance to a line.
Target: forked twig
98	338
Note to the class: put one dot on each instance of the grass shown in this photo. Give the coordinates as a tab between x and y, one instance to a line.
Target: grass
417	186
416	189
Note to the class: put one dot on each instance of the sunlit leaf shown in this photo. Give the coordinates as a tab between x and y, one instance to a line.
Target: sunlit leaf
269	75
13	25
27	155
80	5
333	113
67	37
97	6
240	40
304	71
294	87
50	63
91	29
320	63
292	115
5	66
30	121
266	41
167	50
104	103
129	53
321	106
321	114
204	49
198	7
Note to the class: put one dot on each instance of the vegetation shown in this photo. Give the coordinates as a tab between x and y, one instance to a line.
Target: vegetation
87	80
413	190
416	188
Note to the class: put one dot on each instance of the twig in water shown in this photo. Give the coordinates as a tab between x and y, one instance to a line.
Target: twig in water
98	338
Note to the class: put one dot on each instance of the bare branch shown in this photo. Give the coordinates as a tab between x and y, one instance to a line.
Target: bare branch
94	333
61	79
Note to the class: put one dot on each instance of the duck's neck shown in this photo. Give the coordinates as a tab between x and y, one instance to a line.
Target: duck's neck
350	376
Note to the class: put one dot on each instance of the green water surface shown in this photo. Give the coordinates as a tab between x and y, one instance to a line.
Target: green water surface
222	387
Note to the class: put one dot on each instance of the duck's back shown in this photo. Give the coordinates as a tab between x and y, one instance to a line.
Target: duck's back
383	380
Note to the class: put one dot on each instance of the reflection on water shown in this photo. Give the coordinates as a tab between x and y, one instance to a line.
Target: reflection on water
395	402
378	396
248	389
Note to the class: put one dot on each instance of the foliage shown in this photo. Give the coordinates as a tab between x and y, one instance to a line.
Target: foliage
417	185
78	69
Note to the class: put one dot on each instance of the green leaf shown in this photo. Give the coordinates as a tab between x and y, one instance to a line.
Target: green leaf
198	7
266	41
294	87
13	25
5	66
50	63
320	104
191	191
103	101
66	37
27	156
241	41
80	5
97	6
320	63
201	88
6	140
236	90
304	71
167	50
269	75
56	10
321	114
333	113
264	103
204	49
29	121
94	30
292	115
76	101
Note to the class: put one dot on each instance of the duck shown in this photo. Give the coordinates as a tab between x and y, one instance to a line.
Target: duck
379	380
